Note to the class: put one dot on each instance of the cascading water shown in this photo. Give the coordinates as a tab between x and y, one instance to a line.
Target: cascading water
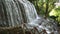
29	10
10	13
14	12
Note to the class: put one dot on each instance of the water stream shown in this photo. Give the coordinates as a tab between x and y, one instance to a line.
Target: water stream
15	12
10	13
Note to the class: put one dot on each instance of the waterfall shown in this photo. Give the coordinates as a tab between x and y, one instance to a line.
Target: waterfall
15	12
29	10
11	13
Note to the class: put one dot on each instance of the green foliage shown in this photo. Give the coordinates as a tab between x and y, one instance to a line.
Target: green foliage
41	5
56	12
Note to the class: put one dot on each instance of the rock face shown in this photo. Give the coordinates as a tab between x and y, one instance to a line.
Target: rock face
15	12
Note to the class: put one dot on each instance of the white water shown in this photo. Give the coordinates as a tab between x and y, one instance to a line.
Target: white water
30	11
13	12
14	17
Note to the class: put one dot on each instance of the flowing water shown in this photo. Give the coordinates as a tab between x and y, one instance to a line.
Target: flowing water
10	13
28	10
15	12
